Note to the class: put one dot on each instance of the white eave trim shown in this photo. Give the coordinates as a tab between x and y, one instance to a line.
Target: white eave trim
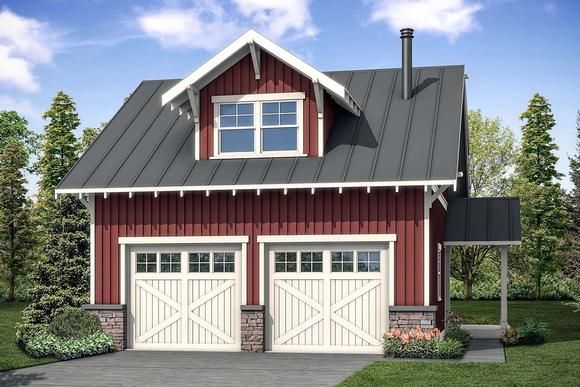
257	97
327	238
184	240
240	187
253	37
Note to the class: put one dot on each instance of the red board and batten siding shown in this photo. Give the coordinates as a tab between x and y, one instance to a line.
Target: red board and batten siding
275	77
272	213
437	216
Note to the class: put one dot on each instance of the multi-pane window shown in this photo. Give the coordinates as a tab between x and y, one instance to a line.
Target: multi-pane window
199	262
223	262
236	127
369	261
279	126
311	261
342	261
258	127
146	262
170	262
285	262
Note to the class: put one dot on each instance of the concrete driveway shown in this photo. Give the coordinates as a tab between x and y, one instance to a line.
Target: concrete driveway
155	368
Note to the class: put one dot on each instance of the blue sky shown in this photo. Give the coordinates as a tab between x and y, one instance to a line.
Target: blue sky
98	51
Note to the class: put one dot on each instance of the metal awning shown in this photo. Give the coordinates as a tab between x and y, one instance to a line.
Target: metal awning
483	221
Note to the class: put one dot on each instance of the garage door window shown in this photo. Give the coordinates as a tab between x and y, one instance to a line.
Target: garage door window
199	262
223	262
170	262
369	261
146	263
286	262
311	261
342	261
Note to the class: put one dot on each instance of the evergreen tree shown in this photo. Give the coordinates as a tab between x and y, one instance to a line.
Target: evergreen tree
16	240
15	128
61	275
572	268
543	213
90	135
60	149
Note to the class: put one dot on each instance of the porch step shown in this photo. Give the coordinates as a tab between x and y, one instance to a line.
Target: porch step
483	331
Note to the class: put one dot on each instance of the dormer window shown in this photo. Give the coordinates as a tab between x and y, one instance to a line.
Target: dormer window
258	125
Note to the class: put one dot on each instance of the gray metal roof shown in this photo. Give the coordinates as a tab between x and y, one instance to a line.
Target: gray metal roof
393	140
486	220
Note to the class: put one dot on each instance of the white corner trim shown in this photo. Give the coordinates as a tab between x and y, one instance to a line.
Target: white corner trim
92	253
252	187
244	274
272	48
392	248
327	238
184	240
426	248
257	97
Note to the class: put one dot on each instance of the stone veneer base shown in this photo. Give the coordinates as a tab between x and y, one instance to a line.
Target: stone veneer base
252	328
113	321
408	317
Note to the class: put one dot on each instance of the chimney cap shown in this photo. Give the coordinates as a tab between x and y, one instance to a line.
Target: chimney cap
407	33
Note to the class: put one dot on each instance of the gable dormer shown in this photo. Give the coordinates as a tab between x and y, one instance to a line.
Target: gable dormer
255	99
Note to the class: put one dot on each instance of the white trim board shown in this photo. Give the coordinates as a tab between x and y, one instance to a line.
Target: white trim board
334	238
240	187
257	97
184	240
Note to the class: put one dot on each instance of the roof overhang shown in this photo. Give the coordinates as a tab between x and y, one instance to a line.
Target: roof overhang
258	187
251	43
483	221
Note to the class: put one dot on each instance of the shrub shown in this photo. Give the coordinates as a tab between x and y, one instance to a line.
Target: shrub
510	336
454	320
26	331
532	332
450	349
65	349
417	343
458	334
481	320
74	323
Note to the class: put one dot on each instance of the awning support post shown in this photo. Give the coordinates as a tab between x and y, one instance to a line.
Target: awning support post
447	281
504	286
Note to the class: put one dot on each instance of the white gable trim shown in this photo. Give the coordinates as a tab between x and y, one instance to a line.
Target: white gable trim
254	38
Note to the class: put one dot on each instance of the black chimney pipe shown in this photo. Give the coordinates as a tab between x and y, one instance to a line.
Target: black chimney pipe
407	61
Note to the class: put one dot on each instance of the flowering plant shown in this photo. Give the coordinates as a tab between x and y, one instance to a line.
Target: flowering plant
420	343
417	342
454	320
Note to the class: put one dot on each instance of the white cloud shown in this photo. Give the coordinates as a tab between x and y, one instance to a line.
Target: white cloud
20	105
280	18
450	18
24	42
203	24
210	24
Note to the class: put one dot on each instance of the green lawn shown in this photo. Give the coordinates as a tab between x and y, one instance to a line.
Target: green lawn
11	356
556	363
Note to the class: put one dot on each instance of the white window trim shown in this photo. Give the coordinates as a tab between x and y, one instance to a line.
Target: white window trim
257	100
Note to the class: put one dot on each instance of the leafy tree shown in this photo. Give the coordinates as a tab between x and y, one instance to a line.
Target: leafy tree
16	240
544	216
15	128
61	276
491	157
572	268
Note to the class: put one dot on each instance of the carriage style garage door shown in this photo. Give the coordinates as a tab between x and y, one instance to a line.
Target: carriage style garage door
185	298
327	298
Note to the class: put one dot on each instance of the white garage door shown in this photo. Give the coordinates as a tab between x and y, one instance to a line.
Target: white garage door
185	298
329	298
